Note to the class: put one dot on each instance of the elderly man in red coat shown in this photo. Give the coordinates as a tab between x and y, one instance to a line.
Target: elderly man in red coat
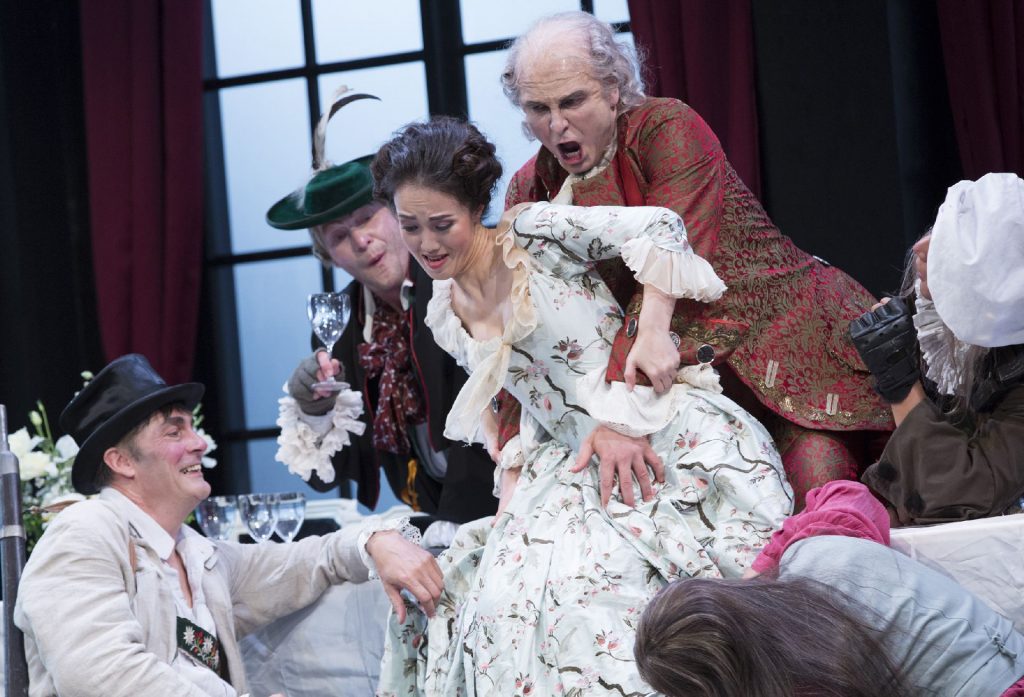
778	335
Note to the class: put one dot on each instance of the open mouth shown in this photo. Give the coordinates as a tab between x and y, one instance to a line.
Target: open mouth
571	152
192	469
434	261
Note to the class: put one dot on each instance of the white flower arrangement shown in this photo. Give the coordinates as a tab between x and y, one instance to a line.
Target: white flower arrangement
45	466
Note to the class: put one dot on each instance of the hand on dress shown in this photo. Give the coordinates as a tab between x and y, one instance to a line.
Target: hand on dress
657	356
624	456
312	369
403	565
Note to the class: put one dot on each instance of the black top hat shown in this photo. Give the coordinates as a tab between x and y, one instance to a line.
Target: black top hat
118	399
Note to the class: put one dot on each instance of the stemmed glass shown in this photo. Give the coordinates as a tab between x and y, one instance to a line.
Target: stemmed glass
217	516
259	511
291	511
328	313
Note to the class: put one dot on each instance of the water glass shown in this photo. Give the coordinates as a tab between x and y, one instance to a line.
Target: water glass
259	511
217	516
291	511
328	313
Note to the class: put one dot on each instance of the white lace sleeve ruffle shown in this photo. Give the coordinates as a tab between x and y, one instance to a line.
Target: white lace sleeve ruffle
375	524
672	268
640	412
307	443
942	352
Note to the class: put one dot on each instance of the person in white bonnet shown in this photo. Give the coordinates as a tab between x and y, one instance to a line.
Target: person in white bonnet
958	449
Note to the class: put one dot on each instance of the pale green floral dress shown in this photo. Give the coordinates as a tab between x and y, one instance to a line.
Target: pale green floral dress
546	602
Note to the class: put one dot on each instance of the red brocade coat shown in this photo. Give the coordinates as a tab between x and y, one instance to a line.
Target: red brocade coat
782	324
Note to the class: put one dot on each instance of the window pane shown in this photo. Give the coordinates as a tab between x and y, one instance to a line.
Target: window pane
486	20
350	30
498	119
273	331
361	127
266	155
268	476
253	36
611	10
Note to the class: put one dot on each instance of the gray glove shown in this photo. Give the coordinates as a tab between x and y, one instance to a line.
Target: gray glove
300	387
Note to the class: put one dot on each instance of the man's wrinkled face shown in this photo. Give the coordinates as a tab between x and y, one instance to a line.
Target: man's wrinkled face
571	113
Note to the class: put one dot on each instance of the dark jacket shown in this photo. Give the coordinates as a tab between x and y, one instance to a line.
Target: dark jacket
465	494
934	471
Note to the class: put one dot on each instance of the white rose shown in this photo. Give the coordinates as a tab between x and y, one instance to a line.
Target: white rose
211	445
35	464
21	442
66	447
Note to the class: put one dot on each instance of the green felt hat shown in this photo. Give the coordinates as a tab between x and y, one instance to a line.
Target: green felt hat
334	190
329	195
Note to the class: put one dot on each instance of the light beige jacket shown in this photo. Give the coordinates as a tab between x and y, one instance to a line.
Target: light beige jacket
95	626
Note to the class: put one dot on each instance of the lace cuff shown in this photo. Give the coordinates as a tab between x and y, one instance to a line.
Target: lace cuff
375	524
942	352
511	458
672	268
306	443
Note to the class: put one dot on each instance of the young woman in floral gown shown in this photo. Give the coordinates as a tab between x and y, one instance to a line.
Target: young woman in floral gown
544	600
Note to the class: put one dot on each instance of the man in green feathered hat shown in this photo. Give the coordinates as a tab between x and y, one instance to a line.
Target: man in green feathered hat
402	383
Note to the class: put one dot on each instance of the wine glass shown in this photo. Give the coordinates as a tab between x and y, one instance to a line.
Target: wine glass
328	313
291	511
217	516
259	511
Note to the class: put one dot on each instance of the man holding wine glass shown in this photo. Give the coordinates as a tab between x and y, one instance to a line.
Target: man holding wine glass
402	384
121	597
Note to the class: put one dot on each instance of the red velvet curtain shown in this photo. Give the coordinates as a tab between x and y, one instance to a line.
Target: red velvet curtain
142	74
983	47
702	52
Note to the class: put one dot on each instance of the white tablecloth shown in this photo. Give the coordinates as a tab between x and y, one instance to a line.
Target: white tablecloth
332	647
985	556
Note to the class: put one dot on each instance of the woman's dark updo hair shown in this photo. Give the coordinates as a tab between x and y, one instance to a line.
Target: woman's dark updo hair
444	154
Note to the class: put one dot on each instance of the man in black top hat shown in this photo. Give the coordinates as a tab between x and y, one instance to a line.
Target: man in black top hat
405	382
120	597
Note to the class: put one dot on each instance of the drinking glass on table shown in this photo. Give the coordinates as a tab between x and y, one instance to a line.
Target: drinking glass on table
291	511
217	516
259	511
328	313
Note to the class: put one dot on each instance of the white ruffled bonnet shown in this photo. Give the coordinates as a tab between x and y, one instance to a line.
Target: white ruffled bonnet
976	260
